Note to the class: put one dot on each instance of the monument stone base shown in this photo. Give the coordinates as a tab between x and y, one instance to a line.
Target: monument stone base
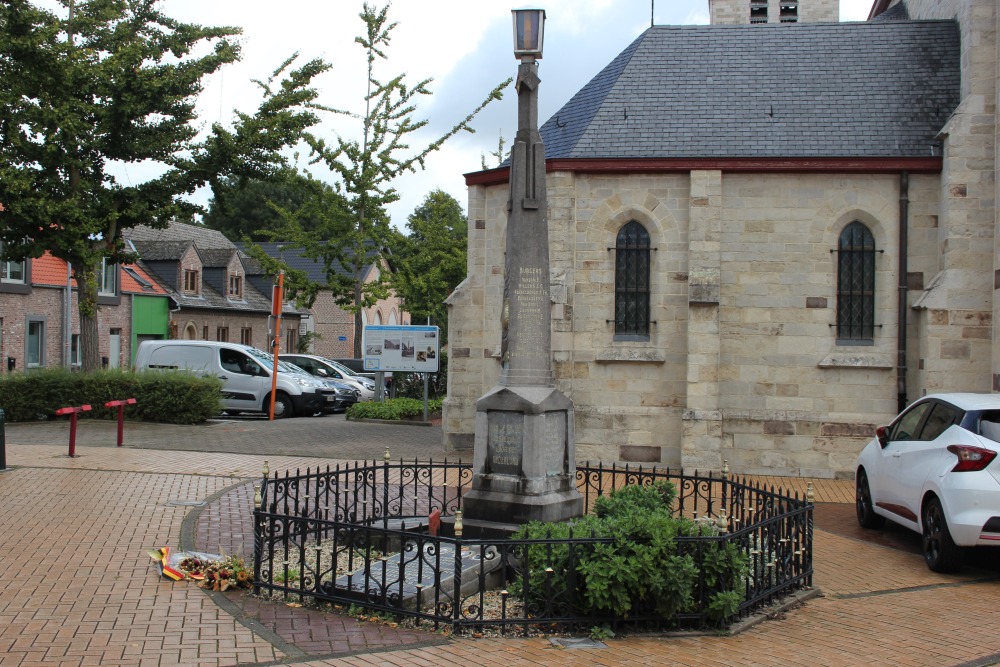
524	465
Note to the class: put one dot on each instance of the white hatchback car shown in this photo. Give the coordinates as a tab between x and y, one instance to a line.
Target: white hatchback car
935	470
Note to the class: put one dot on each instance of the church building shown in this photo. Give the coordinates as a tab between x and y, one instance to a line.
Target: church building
767	235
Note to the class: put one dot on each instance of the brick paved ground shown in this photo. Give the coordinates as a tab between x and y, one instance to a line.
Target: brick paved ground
77	588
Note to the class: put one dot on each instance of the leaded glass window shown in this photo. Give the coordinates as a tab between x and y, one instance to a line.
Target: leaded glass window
856	285
632	281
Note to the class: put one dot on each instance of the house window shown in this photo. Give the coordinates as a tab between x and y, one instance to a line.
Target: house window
235	286
192	281
246	336
204	332
107	278
34	344
292	340
856	286
75	356
11	272
222	334
632	281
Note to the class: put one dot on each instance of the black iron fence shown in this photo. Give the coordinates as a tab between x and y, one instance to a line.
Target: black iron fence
382	536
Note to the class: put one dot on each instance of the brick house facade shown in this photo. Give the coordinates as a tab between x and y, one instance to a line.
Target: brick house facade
39	329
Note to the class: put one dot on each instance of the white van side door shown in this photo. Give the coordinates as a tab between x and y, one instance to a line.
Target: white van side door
244	381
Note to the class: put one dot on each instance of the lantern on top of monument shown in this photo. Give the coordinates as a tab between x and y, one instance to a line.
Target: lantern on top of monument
529	29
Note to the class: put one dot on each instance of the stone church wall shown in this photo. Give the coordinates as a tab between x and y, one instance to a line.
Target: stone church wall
752	376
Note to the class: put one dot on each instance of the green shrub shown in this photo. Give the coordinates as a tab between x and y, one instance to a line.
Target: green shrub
640	566
394	408
411	385
172	398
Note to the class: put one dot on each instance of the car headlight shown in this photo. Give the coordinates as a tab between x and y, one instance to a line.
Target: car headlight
305	382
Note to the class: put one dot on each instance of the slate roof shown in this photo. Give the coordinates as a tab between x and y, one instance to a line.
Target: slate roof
873	89
156	251
314	269
180	232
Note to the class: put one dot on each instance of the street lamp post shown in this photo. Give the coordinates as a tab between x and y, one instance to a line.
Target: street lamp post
524	465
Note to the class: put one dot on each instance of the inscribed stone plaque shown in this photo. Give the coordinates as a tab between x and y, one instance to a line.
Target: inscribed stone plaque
505	442
554	446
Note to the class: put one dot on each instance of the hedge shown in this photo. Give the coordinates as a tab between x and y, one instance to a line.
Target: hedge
170	398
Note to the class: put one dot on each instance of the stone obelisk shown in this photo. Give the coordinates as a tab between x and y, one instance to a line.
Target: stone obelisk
524	466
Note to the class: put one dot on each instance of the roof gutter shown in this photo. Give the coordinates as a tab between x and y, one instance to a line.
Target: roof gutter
846	165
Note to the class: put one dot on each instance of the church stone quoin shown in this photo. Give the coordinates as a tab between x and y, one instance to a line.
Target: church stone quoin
750	208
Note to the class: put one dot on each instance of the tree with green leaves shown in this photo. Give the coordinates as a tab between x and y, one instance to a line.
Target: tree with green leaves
247	208
430	261
114	84
364	168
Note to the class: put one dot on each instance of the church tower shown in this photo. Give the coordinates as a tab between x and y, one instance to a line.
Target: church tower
728	12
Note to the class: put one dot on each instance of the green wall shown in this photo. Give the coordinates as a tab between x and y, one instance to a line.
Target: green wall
150	319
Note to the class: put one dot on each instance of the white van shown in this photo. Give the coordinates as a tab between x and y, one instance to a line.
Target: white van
245	373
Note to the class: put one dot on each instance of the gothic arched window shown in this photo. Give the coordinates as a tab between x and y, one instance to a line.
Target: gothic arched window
632	280
856	285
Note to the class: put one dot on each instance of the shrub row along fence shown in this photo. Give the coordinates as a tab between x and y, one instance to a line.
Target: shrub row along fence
367	534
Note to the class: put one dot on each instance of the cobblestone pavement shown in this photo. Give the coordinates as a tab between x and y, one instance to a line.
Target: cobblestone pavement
77	588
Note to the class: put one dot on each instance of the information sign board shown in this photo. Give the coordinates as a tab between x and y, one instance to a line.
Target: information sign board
402	348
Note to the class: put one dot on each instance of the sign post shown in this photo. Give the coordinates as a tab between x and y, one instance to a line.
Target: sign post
276	297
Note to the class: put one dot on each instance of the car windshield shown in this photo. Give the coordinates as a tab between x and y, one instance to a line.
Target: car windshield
340	367
260	355
989	425
291	368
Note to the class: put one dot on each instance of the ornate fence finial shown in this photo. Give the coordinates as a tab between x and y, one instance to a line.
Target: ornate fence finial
458	523
721	522
810	495
267	469
257	500
386	457
725	469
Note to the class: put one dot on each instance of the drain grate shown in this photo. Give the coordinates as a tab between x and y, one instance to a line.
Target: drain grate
185	503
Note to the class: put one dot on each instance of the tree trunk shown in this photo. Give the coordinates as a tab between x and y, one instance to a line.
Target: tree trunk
90	342
358	319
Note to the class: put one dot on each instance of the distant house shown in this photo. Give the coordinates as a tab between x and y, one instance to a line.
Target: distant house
39	317
218	292
333	324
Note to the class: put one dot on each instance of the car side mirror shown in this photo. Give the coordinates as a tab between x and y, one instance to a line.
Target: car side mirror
321	372
882	434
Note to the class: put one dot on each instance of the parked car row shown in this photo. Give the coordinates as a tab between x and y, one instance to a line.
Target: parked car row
330	369
246	375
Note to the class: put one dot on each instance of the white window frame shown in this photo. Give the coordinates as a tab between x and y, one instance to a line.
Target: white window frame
108	275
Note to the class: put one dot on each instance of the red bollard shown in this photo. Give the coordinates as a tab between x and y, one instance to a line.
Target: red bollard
121	415
72	412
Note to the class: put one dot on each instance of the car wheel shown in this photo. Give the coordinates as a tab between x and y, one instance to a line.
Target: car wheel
940	551
282	406
863	503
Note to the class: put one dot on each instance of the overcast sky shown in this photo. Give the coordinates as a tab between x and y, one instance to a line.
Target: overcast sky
464	45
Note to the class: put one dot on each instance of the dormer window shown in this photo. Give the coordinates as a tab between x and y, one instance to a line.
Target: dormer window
192	281
235	286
